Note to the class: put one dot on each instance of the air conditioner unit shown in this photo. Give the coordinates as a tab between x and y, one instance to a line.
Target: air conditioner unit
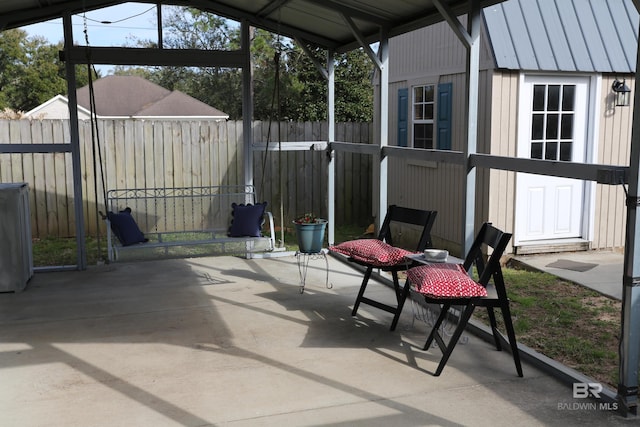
16	257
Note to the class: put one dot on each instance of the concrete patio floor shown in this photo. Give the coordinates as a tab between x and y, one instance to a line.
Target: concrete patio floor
232	342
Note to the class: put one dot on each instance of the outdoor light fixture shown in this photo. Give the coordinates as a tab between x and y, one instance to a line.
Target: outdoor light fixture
622	93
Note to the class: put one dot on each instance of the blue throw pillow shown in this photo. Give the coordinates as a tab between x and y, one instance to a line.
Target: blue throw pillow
125	228
247	220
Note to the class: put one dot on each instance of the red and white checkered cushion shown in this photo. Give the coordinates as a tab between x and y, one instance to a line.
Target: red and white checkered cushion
372	251
444	281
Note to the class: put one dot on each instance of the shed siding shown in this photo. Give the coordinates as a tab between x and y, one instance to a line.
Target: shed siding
614	144
430	185
504	131
432	48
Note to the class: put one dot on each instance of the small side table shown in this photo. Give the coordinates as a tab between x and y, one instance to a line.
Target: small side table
303	259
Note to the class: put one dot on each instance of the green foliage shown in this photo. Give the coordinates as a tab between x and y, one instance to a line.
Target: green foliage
354	100
52	251
31	71
305	90
286	84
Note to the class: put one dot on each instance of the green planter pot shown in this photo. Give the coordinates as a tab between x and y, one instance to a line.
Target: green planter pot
310	236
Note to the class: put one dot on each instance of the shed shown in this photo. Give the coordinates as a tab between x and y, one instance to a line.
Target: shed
547	70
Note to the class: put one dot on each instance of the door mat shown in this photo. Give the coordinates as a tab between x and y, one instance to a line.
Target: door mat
567	264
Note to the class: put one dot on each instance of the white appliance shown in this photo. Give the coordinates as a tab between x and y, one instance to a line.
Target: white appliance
16	257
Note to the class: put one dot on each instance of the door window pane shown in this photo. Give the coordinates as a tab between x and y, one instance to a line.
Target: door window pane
552	126
539	93
552	121
565	151
568	95
566	127
537	127
553	98
536	150
551	150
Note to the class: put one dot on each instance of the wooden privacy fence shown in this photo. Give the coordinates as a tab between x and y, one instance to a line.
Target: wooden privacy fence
180	153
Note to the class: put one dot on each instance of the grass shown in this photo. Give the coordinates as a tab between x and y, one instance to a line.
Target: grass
569	323
573	325
52	251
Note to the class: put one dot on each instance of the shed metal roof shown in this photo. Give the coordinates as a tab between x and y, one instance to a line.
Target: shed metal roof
326	23
564	35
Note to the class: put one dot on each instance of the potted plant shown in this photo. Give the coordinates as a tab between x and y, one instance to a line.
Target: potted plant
310	233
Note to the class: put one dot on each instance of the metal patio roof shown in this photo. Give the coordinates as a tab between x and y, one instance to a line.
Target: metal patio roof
341	25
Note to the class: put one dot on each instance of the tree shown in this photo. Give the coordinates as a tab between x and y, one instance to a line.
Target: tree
190	28
274	91
31	71
301	90
353	89
309	83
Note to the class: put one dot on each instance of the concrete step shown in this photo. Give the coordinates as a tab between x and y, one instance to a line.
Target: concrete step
552	246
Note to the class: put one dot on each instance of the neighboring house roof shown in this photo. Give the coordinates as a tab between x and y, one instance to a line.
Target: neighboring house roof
179	102
564	35
121	95
130	96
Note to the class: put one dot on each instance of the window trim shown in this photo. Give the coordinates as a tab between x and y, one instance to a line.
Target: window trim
431	121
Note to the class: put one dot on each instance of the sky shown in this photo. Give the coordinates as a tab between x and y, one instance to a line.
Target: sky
128	21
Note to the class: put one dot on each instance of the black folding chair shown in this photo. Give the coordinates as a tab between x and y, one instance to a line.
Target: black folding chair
396	215
490	277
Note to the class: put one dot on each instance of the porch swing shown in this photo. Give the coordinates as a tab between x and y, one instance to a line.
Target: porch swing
179	222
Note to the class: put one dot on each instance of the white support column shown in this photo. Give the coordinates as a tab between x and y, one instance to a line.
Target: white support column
247	104
70	70
473	71
630	333
384	127
331	136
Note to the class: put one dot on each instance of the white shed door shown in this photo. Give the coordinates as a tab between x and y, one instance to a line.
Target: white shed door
553	120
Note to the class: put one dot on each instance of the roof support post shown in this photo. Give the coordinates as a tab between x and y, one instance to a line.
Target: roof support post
247	103
383	111
473	72
331	137
630	334
70	70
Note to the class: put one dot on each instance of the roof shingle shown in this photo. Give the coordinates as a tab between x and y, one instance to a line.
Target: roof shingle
133	96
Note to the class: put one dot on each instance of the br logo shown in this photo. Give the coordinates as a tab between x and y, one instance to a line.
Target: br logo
585	390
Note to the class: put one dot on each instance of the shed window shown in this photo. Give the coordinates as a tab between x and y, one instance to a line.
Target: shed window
423	115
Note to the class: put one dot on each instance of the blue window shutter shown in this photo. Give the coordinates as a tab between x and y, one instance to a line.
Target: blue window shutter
403	116
444	116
